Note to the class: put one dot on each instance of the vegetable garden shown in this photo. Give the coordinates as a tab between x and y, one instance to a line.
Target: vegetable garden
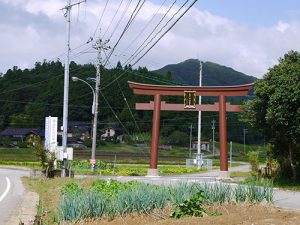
111	198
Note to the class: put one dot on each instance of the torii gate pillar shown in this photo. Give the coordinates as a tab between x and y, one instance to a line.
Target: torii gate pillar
190	105
153	171
223	137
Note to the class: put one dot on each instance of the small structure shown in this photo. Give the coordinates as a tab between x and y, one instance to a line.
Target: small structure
112	132
204	145
21	134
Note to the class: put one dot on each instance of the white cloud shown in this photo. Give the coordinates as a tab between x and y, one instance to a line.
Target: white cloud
40	34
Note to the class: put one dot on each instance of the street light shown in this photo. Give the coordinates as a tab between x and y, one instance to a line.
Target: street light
94	112
94	95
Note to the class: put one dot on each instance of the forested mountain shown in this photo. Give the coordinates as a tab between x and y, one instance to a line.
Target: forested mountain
28	96
213	74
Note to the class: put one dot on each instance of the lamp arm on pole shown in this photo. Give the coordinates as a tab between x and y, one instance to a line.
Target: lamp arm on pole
94	95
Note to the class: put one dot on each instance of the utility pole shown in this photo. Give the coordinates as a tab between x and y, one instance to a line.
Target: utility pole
191	129
67	15
213	127
99	46
199	157
245	131
230	156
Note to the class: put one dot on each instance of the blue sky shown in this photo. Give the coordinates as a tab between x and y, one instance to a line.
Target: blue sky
254	13
247	35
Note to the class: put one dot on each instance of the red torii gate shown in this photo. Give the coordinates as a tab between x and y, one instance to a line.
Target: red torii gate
190	92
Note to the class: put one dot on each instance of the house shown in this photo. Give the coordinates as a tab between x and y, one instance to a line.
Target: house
79	129
74	142
21	134
112	132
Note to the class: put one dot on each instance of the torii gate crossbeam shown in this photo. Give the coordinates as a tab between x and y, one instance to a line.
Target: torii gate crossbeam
159	90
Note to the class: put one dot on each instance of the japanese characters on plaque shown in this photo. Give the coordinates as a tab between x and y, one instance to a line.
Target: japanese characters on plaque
189	99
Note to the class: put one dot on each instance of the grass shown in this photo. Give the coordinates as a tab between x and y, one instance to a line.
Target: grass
17	155
140	170
240	155
287	184
240	174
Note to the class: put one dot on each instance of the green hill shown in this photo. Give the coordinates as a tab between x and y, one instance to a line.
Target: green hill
187	73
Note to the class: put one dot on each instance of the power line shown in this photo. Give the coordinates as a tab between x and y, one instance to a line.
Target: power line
99	22
165	32
145	27
154	29
111	21
119	21
131	19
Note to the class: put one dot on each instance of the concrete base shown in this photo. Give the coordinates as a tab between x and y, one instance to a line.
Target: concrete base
152	173
224	175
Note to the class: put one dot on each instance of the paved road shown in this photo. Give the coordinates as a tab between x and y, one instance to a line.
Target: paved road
11	191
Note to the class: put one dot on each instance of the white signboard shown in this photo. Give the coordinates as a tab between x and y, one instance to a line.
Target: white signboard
60	155
51	133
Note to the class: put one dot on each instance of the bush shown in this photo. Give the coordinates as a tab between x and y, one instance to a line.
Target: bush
22	144
191	207
5	141
254	161
71	189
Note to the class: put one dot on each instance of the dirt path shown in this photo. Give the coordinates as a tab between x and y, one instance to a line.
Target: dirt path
231	215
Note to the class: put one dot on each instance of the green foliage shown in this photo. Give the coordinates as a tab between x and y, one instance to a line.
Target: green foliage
110	188
23	144
46	158
142	199
5	141
71	189
218	192
179	138
240	193
191	207
87	205
254	161
85	164
275	112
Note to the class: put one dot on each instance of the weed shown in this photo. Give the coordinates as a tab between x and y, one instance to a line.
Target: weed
191	207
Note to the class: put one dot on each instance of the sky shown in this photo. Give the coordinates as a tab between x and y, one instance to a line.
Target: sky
247	35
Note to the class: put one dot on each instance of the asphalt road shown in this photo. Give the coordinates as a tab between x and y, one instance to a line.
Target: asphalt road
11	191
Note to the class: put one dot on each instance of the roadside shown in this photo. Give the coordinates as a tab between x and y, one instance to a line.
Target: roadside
18	206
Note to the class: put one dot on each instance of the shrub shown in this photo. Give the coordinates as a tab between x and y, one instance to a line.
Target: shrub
110	188
254	161
22	144
191	207
71	189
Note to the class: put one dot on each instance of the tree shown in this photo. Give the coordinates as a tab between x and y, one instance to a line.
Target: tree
179	138
275	112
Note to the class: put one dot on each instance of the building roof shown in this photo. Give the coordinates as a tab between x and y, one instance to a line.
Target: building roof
10	131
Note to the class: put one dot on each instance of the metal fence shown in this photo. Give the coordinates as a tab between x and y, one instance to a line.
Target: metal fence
206	163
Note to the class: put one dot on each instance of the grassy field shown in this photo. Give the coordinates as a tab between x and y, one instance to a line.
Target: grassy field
120	154
17	155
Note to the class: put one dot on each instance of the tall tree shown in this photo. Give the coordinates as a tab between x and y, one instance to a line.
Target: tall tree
275	112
